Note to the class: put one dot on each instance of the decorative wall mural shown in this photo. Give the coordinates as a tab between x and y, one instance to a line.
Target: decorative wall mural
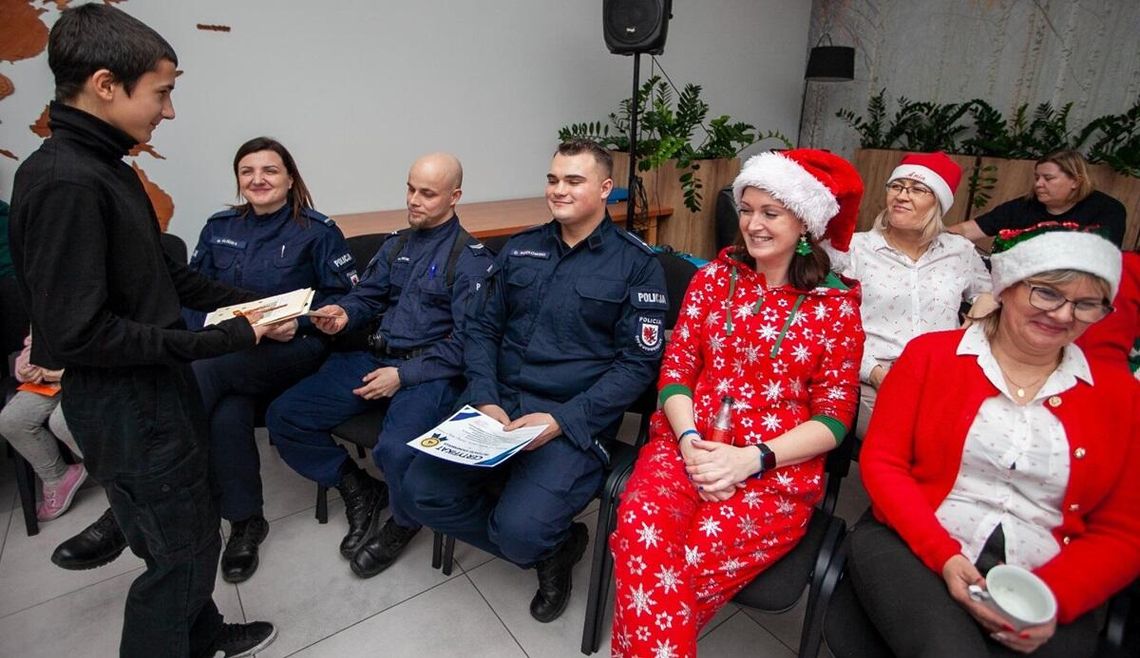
24	35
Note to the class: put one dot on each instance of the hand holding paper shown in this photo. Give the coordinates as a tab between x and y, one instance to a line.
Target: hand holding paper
476	439
266	311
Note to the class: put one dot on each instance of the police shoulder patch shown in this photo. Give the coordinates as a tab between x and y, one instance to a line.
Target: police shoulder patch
649	330
648	297
343	261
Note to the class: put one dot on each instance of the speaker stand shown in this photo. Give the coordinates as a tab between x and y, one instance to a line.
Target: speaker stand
633	105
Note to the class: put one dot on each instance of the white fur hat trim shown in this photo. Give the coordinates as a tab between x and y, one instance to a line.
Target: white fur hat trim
792	185
1057	250
927	177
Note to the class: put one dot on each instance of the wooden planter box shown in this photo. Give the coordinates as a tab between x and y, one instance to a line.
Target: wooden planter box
684	230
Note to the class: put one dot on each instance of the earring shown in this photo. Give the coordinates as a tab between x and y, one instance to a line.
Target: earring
803	247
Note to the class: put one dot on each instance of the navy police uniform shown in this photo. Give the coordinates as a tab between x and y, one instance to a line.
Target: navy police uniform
421	306
573	332
269	254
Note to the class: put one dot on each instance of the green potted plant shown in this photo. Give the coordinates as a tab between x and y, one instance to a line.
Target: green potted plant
680	152
673	129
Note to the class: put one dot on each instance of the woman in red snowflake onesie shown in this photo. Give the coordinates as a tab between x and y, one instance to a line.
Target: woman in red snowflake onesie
768	324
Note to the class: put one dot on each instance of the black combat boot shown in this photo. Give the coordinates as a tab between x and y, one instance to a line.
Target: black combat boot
364	498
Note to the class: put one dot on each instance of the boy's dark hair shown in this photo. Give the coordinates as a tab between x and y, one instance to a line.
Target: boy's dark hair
580	146
299	196
94	36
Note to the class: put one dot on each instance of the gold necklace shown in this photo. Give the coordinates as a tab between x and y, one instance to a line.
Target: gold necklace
1021	387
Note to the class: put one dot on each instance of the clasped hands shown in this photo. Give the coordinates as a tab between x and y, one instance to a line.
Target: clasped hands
717	469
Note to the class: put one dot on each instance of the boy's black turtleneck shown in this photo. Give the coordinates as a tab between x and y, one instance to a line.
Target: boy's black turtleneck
85	244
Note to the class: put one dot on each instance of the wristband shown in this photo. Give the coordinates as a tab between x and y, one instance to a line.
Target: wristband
767	460
688	432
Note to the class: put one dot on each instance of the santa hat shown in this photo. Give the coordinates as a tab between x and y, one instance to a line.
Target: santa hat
934	170
820	188
1023	253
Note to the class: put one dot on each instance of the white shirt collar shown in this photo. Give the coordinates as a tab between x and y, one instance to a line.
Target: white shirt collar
1073	364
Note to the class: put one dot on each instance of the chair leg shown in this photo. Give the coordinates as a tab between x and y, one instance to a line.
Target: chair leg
448	554
436	549
601	573
819	598
322	504
26	484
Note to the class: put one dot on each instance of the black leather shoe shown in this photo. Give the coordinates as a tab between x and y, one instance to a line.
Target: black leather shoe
554	576
239	560
381	549
237	640
99	543
364	498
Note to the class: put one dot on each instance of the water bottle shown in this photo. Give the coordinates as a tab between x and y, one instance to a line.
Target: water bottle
722	424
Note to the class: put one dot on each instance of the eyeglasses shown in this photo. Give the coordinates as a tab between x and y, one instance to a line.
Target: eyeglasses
1047	299
915	191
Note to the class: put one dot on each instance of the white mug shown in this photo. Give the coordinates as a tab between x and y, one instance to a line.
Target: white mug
1018	595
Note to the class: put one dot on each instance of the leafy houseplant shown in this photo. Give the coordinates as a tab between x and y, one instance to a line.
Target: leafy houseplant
1113	139
667	129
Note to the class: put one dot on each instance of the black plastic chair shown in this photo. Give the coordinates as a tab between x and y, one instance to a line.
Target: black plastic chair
777	589
678	273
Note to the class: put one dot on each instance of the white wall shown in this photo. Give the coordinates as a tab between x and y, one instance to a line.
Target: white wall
1006	52
358	88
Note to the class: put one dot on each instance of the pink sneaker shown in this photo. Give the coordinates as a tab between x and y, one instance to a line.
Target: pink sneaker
58	498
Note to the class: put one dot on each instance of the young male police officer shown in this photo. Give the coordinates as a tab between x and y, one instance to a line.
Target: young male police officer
418	285
568	335
105	304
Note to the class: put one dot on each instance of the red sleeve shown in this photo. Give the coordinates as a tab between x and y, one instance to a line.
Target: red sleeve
834	387
1106	556
683	360
891	449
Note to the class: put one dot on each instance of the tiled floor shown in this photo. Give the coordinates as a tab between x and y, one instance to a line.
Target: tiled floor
321	609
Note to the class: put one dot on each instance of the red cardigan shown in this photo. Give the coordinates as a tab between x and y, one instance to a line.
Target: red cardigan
913	450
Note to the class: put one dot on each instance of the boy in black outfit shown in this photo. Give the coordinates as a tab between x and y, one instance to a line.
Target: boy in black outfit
104	303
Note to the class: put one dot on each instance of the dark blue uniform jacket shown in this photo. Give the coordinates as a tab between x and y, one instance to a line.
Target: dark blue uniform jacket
576	333
418	310
272	254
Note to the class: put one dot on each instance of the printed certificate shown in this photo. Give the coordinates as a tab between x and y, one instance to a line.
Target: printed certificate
474	438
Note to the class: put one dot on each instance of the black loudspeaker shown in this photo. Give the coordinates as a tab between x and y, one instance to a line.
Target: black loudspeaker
636	26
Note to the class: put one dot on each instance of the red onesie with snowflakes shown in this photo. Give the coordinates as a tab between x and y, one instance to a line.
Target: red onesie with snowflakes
786	357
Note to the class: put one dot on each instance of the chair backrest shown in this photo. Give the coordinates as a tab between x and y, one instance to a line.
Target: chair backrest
364	247
495	243
174	247
678	273
727	218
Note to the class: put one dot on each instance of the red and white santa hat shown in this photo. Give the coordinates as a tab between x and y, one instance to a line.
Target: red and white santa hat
934	170
819	187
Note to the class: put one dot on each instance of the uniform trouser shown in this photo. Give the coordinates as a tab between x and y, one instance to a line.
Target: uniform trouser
143	436
908	608
542	491
300	419
232	387
33	423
